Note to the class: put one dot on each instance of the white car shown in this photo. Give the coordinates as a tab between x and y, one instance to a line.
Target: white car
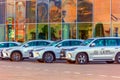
5	45
22	52
52	52
96	49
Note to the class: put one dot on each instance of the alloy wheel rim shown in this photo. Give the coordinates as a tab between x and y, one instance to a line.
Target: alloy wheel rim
48	57
82	58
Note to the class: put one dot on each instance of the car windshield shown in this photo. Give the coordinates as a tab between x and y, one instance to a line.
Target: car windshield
86	42
54	43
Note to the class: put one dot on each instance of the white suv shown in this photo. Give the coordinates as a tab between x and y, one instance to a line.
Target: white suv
22	52
52	52
96	49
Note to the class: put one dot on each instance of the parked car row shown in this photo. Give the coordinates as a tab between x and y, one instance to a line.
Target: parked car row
73	50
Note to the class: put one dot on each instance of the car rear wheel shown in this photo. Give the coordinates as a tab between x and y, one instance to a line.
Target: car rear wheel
81	58
48	57
117	58
16	56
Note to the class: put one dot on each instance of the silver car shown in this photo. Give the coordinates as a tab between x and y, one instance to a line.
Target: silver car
22	52
96	49
5	45
52	52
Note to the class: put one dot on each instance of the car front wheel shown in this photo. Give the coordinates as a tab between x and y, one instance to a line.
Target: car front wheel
48	57
117	58
81	58
16	56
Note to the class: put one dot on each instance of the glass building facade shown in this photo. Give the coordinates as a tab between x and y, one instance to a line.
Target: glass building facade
23	20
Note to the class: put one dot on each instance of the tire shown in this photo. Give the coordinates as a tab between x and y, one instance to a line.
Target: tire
16	56
48	57
109	62
81	58
71	62
117	58
39	60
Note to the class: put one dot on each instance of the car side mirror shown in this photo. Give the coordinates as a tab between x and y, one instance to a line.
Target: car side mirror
59	45
92	45
26	45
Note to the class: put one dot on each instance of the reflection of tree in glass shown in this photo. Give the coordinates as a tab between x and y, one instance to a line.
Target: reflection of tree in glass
84	11
99	30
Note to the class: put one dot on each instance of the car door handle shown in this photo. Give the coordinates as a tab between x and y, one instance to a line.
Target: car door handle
116	48
102	48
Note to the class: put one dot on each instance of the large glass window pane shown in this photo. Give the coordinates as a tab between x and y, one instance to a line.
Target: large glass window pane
30	11
2	12
116	29
2	32
84	10
31	31
84	30
101	30
10	12
55	10
42	31
10	32
115	11
68	31
20	11
20	32
42	11
55	30
102	10
69	10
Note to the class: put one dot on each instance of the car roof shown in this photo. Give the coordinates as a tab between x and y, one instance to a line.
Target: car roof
72	39
105	38
41	40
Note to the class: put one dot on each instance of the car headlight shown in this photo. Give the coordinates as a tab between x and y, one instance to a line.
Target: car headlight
69	55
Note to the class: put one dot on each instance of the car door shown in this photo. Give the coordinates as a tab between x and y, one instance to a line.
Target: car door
96	51
111	47
60	46
31	45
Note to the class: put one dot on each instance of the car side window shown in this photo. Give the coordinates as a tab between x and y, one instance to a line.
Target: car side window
3	45
66	43
118	42
42	43
32	43
111	42
75	43
99	42
12	44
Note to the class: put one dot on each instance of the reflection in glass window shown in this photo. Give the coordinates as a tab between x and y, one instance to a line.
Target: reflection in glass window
42	11
115	11
55	10
2	13
30	11
2	31
84	30
84	11
31	31
69	10
111	42
55	30
99	42
101	30
116	30
102	10
42	31
68	31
